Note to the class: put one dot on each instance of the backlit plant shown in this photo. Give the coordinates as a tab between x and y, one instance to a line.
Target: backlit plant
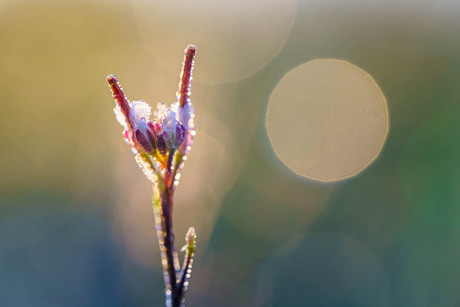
160	146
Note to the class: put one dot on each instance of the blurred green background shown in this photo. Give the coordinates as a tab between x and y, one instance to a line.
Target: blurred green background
76	223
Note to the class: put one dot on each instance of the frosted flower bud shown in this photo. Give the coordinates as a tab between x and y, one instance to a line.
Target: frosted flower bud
151	138
161	144
130	138
190	237
139	111
142	125
145	137
170	130
180	134
120	117
144	142
154	128
186	115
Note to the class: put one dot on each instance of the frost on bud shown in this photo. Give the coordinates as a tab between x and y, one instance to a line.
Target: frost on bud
154	128
151	138
130	138
141	139
190	238
180	134
173	131
145	136
169	128
186	114
121	118
161	144
139	112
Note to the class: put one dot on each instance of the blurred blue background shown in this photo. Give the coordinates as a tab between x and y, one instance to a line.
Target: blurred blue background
76	222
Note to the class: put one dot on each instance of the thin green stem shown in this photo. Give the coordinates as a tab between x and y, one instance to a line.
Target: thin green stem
185	274
178	160
163	219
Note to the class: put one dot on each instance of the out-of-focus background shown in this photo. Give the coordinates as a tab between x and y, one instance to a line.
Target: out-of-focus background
299	197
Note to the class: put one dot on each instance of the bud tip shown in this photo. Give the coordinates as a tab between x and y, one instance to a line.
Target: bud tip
190	49
190	237
112	78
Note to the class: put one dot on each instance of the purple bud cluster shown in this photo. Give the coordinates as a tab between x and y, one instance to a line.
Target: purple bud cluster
156	136
171	130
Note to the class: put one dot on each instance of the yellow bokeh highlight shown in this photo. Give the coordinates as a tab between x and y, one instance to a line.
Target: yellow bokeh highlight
327	120
234	38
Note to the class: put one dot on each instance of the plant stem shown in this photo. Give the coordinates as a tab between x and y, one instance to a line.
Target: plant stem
185	275
173	276
163	220
169	237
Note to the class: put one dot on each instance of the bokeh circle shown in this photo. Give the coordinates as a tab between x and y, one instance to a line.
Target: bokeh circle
324	269
234	39
327	120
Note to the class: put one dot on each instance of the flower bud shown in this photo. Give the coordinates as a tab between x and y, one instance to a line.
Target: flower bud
180	135
155	128
139	111
151	138
145	137
142	139
190	238
169	128
186	114
161	144
173	131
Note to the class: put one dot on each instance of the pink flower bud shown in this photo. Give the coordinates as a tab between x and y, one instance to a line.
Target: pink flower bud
161	144
186	114
145	137
151	138
155	128
142	139
170	129
180	134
